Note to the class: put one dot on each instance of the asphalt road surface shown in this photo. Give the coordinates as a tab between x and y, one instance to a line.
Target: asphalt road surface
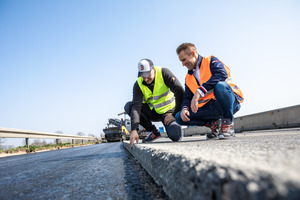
103	171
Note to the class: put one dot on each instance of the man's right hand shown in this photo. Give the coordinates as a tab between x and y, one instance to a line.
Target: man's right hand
134	136
184	115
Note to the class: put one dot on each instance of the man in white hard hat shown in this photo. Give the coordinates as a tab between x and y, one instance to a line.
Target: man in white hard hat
157	96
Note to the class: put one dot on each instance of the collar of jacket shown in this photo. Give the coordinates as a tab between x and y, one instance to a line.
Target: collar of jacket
198	64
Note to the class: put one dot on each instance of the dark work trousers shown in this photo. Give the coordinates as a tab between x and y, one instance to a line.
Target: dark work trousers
148	116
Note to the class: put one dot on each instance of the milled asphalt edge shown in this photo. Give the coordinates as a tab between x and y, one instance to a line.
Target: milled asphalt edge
182	178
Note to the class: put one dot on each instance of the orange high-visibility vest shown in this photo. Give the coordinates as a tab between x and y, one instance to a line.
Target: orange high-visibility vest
205	74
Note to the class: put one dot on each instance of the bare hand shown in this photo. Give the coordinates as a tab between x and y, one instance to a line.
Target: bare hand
134	136
168	119
184	115
194	102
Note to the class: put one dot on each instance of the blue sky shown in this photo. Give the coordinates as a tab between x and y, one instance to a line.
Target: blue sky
70	65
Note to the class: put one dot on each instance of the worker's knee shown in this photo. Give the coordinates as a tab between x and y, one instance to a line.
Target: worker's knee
222	87
128	107
174	131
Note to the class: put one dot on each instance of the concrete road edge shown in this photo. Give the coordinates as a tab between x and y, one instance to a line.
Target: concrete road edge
183	178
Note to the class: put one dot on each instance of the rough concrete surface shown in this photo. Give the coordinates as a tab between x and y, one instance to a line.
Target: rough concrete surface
253	165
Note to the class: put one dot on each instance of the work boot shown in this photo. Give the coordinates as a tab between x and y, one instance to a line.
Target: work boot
151	136
227	130
214	128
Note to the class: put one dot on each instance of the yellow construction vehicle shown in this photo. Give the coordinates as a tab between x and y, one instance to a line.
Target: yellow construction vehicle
119	130
126	128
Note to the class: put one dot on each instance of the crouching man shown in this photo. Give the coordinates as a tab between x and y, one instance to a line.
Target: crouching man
211	98
157	96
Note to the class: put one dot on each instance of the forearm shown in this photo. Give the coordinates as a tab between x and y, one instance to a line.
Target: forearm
137	101
135	121
173	83
178	100
187	98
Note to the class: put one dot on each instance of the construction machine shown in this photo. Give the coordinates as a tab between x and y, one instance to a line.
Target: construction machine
119	130
115	130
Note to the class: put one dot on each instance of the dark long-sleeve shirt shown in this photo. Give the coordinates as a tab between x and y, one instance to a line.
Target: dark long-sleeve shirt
171	82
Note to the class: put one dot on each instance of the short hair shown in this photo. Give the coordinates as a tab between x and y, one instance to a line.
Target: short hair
187	47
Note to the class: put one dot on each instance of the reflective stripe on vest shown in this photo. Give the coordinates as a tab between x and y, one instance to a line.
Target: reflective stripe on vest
205	75
163	103
162	99
206	100
158	97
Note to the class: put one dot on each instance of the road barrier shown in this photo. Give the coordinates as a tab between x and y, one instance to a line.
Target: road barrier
17	133
288	117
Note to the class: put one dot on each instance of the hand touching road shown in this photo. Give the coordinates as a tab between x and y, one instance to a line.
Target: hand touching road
134	137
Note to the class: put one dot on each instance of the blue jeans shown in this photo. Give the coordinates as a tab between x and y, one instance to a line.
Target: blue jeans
223	107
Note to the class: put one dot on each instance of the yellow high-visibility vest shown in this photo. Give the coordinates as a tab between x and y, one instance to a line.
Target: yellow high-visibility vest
162	99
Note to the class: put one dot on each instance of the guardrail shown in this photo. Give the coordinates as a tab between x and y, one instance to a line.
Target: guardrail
17	133
288	117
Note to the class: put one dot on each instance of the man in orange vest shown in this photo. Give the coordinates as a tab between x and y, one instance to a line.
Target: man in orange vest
210	98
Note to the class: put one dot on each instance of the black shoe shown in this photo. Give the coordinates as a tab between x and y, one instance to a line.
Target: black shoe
151	136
